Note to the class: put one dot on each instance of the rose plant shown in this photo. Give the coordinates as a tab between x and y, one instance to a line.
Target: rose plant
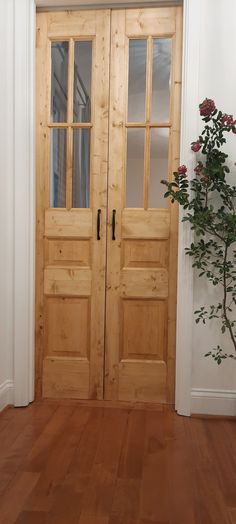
209	204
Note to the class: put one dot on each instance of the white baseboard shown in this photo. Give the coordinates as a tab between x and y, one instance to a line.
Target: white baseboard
213	402
6	394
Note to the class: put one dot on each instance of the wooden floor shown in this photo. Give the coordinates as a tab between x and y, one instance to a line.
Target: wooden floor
69	463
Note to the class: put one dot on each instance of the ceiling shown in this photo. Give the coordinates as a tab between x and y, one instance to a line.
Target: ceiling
75	4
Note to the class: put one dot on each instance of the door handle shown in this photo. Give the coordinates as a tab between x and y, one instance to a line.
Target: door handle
113	224
98	224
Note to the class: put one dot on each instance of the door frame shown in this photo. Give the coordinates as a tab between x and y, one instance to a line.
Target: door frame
22	134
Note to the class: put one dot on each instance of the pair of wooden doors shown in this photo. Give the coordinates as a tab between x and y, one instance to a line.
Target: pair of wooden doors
108	102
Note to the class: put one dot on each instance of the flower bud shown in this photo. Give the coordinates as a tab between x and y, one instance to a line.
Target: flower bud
182	170
207	107
196	146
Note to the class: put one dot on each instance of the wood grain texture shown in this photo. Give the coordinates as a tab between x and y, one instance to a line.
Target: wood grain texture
141	259
65	378
146	224
42	167
62	223
174	158
158	22
145	253
118	92
67	281
70	260
67	252
74	463
145	283
126	284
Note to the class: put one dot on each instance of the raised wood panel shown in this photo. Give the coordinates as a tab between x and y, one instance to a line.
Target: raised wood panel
145	283
67	252
144	327
145	22
67	281
145	224
68	223
145	253
65	378
71	23
142	381
67	327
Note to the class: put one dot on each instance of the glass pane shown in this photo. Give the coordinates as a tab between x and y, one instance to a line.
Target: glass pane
58	168
161	80
135	168
137	80
81	168
82	81
158	167
59	82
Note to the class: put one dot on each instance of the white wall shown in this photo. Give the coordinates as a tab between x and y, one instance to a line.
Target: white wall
213	388
17	221
6	203
217	80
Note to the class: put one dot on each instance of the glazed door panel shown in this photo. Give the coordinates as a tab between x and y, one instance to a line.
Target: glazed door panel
108	118
142	226
72	150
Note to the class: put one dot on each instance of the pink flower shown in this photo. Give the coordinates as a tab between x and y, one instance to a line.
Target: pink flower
196	146
227	120
198	168
182	170
207	107
205	179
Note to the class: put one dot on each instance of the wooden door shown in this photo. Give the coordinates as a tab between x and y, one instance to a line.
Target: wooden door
142	226
107	244
72	150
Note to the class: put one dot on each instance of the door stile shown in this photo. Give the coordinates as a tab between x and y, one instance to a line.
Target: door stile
174	160
100	154
117	137
42	166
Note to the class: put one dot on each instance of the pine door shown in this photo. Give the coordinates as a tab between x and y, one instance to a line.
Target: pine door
142	253
72	151
108	87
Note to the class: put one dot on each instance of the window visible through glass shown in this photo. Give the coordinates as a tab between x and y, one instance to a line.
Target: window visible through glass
58	168
137	80
59	81
161	80
135	167
158	167
82	81
81	168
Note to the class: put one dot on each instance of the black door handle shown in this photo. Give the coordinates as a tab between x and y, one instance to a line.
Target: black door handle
113	224
98	224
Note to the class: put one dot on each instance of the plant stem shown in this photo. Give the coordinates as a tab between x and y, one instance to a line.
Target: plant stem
225	299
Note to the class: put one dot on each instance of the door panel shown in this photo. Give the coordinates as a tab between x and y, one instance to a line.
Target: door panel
142	255
72	151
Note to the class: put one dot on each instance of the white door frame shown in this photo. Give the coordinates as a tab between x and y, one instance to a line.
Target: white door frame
24	192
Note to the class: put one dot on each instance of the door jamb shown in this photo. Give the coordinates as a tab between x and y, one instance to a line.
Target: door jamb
24	198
